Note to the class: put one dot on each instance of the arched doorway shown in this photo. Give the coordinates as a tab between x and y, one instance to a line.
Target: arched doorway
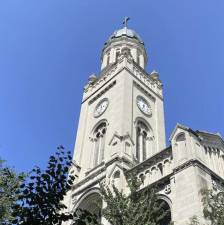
92	203
167	212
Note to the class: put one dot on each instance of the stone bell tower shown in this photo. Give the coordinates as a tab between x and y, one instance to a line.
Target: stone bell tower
121	131
122	108
121	119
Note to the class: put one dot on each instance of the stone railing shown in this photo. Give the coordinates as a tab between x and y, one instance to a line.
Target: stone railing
155	168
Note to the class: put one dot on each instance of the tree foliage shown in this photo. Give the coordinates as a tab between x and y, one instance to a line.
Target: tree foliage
84	217
213	206
9	184
39	199
139	207
194	221
40	196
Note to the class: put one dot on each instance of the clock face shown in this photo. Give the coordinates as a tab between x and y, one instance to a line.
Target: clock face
144	106
101	107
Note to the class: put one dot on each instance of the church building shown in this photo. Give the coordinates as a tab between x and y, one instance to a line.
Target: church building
122	131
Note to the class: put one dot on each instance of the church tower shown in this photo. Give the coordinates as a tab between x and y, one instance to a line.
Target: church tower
121	132
122	114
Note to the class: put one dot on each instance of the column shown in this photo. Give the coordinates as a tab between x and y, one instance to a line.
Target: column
104	62
144	155
222	163
112	56
102	143
134	54
96	151
219	162
92	154
141	59
140	141
149	146
147	177
137	144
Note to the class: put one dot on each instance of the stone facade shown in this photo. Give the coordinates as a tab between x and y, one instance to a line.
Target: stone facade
121	130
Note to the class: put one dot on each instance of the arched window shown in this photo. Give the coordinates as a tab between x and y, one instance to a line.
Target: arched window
180	137
92	203
144	139
108	59
118	52
99	145
165	210
181	153
117	174
142	178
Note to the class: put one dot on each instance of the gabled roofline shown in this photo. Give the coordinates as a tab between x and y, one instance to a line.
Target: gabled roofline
184	128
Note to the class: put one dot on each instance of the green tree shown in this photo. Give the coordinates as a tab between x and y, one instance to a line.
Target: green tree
83	217
40	199
9	184
194	221
139	207
40	196
213	206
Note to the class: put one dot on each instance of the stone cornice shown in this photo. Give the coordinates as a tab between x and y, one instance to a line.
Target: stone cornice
108	87
144	90
91	174
196	162
119	159
136	71
104	80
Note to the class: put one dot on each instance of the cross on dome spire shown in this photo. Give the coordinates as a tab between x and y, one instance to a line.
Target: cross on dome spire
125	22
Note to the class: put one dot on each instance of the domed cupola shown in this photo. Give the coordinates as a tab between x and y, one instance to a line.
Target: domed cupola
125	32
120	39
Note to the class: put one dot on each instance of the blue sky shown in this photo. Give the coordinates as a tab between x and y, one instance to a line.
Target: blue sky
48	49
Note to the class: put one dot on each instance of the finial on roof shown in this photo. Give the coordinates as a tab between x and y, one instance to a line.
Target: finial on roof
92	79
155	75
154	71
125	22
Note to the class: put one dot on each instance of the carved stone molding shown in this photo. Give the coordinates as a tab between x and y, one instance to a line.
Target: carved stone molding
102	92
167	189
217	185
144	90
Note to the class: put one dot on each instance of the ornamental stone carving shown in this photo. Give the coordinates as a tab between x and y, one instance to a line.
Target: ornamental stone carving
167	189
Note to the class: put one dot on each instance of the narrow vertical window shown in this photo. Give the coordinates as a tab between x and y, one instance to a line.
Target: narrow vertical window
99	133
118	52
108	59
142	139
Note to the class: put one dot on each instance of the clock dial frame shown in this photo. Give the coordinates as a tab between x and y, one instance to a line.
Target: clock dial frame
101	107
143	105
